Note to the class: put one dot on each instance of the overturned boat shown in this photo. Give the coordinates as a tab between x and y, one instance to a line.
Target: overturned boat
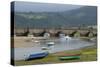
37	56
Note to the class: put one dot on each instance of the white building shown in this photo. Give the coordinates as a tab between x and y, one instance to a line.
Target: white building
46	35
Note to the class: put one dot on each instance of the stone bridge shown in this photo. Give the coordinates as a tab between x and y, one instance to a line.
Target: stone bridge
55	31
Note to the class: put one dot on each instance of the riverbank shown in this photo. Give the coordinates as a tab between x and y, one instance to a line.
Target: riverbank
25	41
87	54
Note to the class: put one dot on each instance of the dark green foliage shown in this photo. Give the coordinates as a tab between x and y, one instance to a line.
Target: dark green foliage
78	17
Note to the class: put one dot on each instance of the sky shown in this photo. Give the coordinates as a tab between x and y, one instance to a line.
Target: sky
43	7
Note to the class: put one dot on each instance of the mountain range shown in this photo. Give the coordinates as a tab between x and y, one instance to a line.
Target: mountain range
83	16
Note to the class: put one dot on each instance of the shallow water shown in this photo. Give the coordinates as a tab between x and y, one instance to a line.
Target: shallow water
60	45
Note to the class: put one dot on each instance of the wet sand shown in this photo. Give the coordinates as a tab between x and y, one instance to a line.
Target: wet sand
22	42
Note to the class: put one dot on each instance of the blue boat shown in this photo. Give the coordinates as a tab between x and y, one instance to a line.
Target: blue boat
37	56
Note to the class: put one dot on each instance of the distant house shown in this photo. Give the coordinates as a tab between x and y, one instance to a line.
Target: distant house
90	34
59	34
75	34
46	35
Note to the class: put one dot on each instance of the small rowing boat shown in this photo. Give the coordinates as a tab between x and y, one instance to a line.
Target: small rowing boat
69	57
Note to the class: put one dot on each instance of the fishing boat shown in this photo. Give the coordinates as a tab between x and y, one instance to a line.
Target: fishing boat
37	56
69	57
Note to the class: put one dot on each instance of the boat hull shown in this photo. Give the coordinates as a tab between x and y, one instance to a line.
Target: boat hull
69	57
37	56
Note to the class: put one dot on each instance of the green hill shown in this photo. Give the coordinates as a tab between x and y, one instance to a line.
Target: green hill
77	17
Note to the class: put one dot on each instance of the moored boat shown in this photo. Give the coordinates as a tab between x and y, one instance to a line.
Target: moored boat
50	44
44	48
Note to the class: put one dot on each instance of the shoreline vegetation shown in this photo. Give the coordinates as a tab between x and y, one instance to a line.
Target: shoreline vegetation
87	54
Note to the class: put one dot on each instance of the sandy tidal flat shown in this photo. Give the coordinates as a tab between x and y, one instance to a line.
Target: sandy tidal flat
23	42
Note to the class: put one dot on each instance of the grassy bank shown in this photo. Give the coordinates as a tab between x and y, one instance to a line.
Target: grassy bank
87	54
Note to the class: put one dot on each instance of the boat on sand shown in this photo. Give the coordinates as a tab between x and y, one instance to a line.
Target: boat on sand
37	56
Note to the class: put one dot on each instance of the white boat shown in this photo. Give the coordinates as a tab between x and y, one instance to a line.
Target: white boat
67	37
52	43
44	48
